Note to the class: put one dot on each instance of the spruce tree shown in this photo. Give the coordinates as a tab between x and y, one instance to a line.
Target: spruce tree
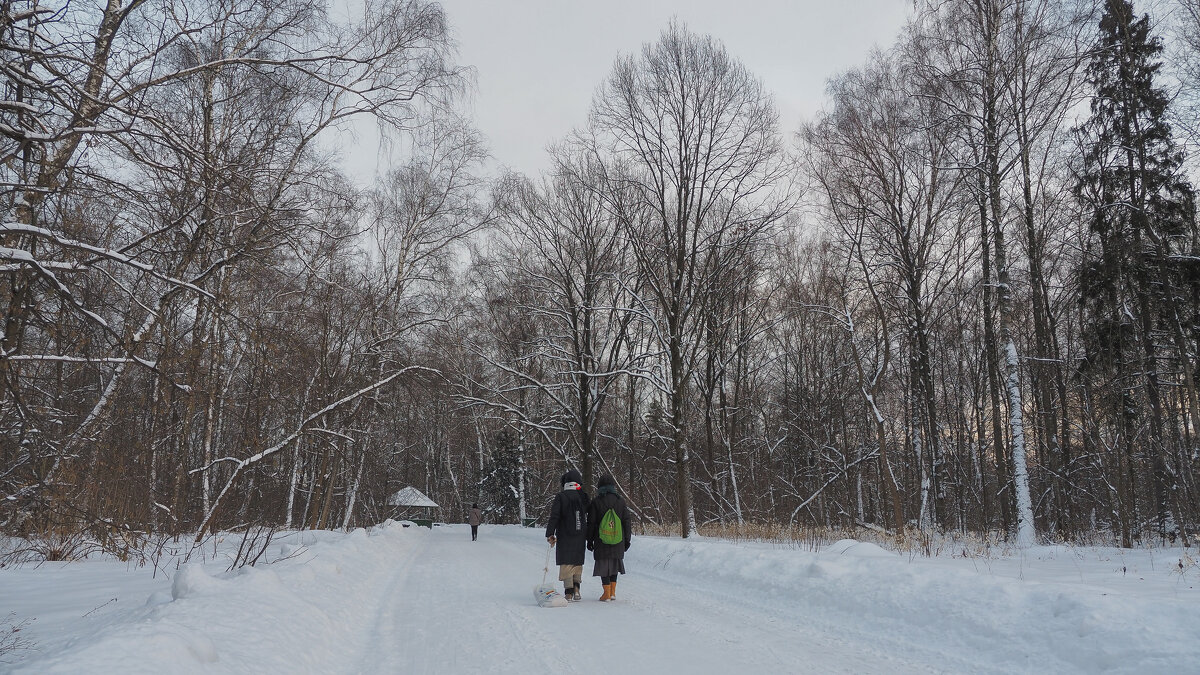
500	487
1133	279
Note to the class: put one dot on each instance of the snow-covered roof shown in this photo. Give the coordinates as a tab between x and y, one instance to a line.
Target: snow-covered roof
410	496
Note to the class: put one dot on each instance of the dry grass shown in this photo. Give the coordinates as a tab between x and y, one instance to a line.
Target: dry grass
66	537
910	541
50	546
11	639
1187	564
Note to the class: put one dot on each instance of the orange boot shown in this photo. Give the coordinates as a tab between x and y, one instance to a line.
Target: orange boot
607	593
612	591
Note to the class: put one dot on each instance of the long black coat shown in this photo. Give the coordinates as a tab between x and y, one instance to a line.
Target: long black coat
568	523
596	510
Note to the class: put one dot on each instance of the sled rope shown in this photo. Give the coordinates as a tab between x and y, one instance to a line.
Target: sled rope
546	568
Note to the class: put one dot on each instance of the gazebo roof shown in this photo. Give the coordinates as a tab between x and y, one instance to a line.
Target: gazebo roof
411	496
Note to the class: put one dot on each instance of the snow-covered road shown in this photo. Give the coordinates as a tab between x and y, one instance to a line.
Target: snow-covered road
466	607
411	600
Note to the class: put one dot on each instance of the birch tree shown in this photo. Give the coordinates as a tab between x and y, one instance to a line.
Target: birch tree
886	178
968	47
159	147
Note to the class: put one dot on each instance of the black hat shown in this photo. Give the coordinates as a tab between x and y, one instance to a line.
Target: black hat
607	479
571	476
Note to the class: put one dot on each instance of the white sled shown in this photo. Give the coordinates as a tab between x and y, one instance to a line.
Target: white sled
548	596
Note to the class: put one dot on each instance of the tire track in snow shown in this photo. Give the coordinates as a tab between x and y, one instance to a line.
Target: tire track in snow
451	610
376	645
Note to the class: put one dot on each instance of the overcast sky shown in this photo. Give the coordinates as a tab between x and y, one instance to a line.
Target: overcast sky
538	62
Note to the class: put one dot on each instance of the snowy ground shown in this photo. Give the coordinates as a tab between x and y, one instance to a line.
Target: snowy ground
411	600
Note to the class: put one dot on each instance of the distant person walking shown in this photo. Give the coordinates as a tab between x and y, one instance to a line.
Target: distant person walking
609	535
567	528
474	518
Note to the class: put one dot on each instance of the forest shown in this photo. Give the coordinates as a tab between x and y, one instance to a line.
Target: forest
963	297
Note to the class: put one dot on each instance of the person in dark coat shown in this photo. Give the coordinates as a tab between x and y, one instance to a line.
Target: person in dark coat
610	558
474	518
567	528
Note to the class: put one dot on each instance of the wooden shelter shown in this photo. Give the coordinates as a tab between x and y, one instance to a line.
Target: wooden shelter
410	501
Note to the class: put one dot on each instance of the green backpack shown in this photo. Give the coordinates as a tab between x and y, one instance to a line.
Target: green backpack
610	528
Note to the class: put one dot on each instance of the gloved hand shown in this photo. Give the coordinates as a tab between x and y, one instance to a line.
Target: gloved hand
551	539
591	545
627	545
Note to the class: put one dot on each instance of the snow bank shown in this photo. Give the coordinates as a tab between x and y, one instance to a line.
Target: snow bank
303	614
367	601
1050	610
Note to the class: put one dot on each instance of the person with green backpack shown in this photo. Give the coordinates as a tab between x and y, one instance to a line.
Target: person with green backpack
609	535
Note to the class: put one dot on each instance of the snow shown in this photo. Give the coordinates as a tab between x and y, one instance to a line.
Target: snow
410	599
411	496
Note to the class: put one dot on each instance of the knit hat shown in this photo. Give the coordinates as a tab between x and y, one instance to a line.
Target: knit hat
607	479
571	476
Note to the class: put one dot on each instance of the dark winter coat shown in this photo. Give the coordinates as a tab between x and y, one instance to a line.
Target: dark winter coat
568	523
607	498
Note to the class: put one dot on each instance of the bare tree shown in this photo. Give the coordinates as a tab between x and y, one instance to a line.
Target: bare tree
885	174
1187	62
566	243
161	152
698	136
968	51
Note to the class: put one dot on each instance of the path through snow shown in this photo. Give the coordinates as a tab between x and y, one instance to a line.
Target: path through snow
411	600
467	607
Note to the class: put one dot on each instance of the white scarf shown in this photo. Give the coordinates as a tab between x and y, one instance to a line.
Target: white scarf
572	486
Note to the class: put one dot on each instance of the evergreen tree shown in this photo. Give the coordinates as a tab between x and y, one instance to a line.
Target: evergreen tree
1134	281
501	486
